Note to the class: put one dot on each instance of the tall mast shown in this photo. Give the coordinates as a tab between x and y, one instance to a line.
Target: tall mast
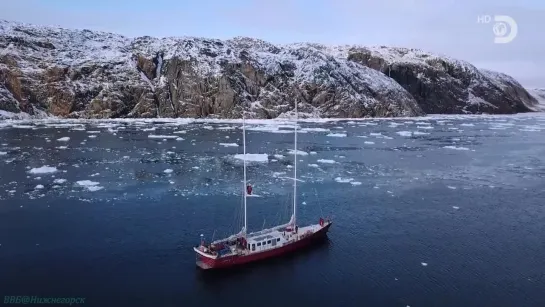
295	172
244	187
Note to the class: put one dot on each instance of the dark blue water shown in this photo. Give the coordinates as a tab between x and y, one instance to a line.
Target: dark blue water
465	195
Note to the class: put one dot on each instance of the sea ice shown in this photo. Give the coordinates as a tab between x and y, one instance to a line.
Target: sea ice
228	144
43	170
299	152
253	157
338	135
404	133
456	148
64	139
153	136
327	161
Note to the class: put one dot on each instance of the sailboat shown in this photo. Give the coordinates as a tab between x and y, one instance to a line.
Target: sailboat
244	247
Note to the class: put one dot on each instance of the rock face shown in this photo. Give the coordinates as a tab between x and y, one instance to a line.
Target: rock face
85	74
444	85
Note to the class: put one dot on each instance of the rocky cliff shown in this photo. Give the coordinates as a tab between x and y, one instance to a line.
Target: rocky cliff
81	73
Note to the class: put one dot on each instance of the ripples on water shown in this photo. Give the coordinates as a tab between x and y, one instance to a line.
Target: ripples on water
117	219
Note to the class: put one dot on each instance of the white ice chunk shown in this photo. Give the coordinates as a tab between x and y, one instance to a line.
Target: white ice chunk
327	161
253	157
153	136
64	139
43	170
228	144
168	171
299	152
338	135
456	148
404	133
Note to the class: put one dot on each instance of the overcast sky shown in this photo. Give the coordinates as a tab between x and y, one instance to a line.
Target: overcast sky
445	26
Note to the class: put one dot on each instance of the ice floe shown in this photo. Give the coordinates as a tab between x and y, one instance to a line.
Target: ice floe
39	187
315	129
326	161
168	171
89	185
337	135
405	133
369	142
153	136
343	180
43	170
456	148
3	153
253	157
228	144
64	139
299	152
59	181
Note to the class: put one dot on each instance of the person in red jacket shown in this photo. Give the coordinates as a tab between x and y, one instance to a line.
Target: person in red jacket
249	189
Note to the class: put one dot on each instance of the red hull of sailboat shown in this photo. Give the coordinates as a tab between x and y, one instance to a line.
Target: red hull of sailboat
226	262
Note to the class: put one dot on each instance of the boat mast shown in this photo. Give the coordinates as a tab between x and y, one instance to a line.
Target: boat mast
295	171
244	186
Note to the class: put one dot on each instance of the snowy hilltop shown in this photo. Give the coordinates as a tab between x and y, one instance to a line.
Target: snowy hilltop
89	74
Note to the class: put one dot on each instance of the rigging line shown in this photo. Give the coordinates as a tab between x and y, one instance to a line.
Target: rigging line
318	200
